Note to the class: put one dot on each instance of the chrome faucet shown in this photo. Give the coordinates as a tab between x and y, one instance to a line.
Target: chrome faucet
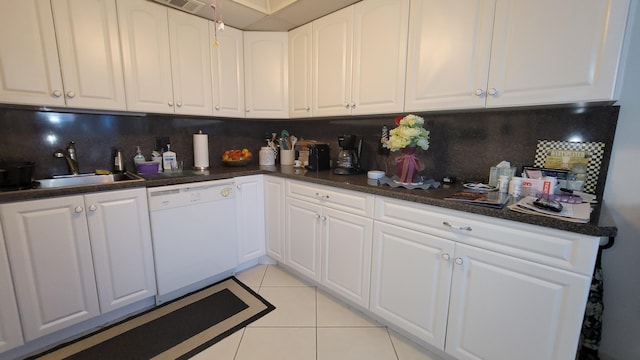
70	156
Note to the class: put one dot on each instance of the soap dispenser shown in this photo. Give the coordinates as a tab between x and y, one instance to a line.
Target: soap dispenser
139	158
169	159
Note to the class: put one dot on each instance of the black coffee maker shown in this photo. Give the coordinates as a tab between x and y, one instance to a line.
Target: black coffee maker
348	162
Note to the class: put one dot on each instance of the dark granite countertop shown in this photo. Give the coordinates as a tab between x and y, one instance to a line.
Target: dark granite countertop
599	225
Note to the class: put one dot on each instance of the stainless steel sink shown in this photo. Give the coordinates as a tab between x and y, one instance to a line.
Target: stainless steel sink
86	179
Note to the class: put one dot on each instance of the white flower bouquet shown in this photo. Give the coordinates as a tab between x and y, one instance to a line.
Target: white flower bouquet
408	133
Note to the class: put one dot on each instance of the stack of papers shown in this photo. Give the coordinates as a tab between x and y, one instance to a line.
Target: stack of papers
580	213
490	199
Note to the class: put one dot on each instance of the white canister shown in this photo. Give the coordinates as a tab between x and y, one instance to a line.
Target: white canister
267	156
503	183
515	186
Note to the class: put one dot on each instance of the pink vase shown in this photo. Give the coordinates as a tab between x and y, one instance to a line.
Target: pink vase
408	164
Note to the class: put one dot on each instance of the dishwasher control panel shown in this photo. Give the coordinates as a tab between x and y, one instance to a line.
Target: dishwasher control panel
171	196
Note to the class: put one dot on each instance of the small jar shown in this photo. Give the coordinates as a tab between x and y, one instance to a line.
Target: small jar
515	186
267	156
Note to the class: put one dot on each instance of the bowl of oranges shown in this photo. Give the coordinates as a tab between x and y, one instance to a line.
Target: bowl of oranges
236	157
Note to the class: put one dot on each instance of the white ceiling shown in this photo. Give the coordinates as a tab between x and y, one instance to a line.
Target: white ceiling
242	17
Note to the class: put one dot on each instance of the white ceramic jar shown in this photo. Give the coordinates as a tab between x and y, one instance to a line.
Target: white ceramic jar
267	156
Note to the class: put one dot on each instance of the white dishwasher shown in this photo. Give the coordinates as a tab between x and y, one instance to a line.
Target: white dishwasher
194	235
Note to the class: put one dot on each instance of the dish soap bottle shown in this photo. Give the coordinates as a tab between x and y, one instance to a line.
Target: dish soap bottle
139	158
168	159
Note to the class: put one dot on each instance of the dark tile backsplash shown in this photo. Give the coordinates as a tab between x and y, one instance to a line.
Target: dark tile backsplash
463	144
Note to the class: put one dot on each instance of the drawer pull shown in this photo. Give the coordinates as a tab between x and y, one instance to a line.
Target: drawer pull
446	257
464	228
459	261
322	196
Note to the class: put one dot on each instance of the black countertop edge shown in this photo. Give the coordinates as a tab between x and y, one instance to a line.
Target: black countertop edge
601	226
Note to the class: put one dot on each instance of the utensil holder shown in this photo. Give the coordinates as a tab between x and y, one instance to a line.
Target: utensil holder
287	157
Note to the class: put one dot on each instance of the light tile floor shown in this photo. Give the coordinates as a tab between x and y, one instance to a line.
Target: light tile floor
309	324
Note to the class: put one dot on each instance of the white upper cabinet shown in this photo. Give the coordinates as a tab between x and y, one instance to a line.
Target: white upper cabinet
167	62
190	63
332	48
89	64
266	73
555	51
448	55
498	53
300	79
379	56
359	59
227	67
146	56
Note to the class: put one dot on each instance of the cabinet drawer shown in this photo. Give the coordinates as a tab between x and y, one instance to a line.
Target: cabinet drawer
345	200
557	248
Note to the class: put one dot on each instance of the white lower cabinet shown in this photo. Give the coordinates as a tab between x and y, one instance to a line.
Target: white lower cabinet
410	282
329	246
477	287
250	217
10	329
120	236
61	275
501	305
274	216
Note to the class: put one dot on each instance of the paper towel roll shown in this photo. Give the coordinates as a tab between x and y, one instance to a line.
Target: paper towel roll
200	151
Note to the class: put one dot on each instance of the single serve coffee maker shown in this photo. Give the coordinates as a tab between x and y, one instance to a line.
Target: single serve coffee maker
348	162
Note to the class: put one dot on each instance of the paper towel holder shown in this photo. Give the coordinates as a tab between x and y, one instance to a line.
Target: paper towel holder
200	152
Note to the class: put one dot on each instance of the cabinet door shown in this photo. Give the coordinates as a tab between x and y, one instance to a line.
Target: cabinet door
266	73
449	53
121	244
29	66
190	63
89	48
410	280
332	51
227	62
302	237
572	57
346	255
501	306
300	61
274	217
380	30
146	57
250	217
50	255
10	329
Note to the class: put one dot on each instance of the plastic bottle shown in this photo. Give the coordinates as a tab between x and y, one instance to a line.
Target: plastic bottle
168	158
139	158
503	182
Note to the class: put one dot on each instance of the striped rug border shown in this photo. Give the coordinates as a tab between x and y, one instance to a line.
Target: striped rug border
257	308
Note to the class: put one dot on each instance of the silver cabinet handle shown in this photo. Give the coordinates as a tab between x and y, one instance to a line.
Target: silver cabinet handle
492	92
56	93
248	110
93	207
478	92
71	94
323	218
353	106
454	227
308	109
78	209
217	107
179	104
446	257
322	196
346	106
170	103
459	261
317	216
